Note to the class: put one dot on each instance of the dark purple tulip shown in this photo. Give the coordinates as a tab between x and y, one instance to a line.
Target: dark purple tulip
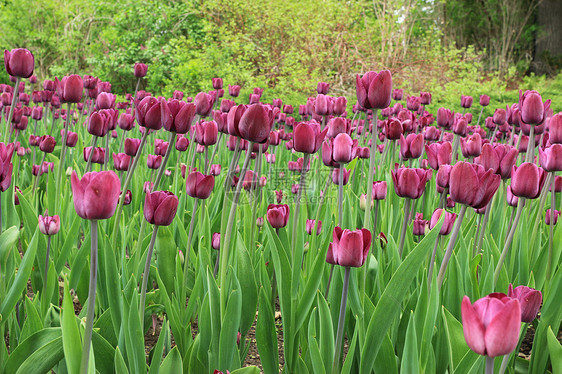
278	215
217	83
447	223
443	176
181	114
126	121
121	161
547	217
98	157
529	299
132	146
410	182
342	147
234	90
96	195
154	161
19	62
148	113
551	158
199	185
140	70
203	104
160	207
336	176
484	100
420	226
71	139
379	190
397	94
471	146
255	124
206	132
500	116
340	105
413	103
182	143
47	144
70	88
393	129
533	110
460	126
98	124
349	248
374	89
471	185
411	146
439	154
555	129
466	101
323	88
425	98
445	118
527	180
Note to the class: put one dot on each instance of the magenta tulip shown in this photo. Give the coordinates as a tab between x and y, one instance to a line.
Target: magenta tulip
374	89
471	185
160	207
96	194
49	225
349	248
278	215
410	182
199	185
529	299
527	180
19	62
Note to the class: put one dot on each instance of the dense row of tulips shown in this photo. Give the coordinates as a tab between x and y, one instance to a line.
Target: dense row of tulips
214	272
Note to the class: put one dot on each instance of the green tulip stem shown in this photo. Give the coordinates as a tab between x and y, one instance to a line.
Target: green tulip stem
302	184
146	272
136	90
91	297
341	322
171	144
531	147
407	204
62	156
450	246
36	181
371	175
130	172
483	228
489	365
340	196
89	163
551	229
480	116
47	265
0	212
228	233
256	185
508	240
188	249
15	98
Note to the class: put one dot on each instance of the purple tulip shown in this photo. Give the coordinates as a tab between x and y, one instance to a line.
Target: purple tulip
160	207
349	248
96	195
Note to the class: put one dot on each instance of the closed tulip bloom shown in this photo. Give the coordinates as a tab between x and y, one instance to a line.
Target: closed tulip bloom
445	118
411	146
533	110
471	185
206	132
507	156
37	113
140	70
148	113
6	166
547	219
132	146
217	83
121	161
410	182
471	146
96	194
71	139
555	128
154	161
340	105
234	90
447	223
460	126
337	125
310	223
99	124
278	215
484	100
527	180
500	116
203	104
98	157
374	89
342	148
322	105
49	225
181	114
466	101
215	170
336	176
413	103
439	154
160	207
379	190
19	62
425	98
491	325
323	88
530	300
420	226
126	121
70	88
393	129
255	124
512	200
199	185
443	176
47	144
349	248
105	100
551	158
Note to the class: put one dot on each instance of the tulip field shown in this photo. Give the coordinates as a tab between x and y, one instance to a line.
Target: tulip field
210	232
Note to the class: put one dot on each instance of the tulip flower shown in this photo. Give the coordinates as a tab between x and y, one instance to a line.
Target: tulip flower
336	176
530	301
471	185
206	133
466	101
234	90
49	225
491	324
527	180
533	110
410	182
6	166
199	185
203	104
140	70
411	146
310	223
397	94
154	161
445	118
439	154
447	223
95	195
342	148
471	146
149	114
70	88
484	100
551	158
255	124
160	207
374	89
19	62
132	146
349	248
551	217
121	161
278	215
420	226
181	114
555	129
379	190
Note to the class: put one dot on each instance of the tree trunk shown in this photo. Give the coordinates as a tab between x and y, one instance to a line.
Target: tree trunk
548	43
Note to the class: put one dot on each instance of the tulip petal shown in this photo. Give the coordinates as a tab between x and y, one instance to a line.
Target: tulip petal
472	327
502	334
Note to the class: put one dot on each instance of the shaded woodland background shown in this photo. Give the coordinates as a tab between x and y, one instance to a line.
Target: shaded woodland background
446	47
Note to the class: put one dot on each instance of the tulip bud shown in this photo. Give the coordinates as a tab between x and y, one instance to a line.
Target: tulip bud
19	62
548	219
47	144
160	207
96	194
466	101
527	180
409	182
374	89
216	241
471	185
140	70
49	225
278	215
420	226
349	248
447	223
529	299
310	223
199	185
